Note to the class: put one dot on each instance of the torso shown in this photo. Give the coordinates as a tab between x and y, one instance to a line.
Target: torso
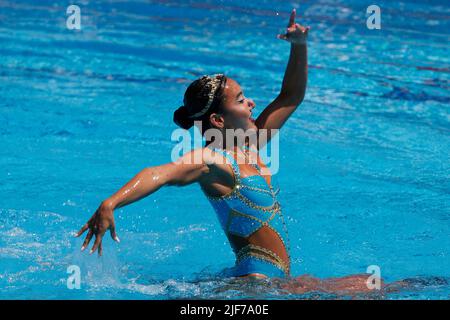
220	182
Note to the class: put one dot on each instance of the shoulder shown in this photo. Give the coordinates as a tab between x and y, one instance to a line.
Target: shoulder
200	156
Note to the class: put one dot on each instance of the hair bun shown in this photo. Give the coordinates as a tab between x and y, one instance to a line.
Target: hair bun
181	118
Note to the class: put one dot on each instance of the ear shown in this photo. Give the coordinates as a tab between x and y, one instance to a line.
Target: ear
216	120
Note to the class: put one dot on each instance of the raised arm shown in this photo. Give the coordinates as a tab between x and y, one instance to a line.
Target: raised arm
294	82
182	172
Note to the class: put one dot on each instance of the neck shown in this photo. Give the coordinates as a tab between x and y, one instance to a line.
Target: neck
229	143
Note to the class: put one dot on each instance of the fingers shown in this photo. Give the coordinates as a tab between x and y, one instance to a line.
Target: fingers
300	27
113	233
86	226
296	27
294	33
87	239
292	18
98	240
82	230
99	223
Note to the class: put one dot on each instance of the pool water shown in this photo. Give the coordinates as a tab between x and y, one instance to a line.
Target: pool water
364	162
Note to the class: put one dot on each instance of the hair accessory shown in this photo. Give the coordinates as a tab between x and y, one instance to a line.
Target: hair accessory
214	83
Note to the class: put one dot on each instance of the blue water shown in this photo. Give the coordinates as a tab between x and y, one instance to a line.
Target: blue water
364	166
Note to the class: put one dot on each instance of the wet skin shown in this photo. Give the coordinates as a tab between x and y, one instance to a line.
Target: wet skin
217	179
237	114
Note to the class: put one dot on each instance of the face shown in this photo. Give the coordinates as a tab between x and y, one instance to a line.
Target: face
237	112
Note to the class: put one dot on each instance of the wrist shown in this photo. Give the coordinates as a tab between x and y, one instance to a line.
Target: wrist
108	204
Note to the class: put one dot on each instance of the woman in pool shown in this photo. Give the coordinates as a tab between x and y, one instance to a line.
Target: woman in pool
239	191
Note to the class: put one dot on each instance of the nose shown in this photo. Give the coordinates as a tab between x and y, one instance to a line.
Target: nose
251	103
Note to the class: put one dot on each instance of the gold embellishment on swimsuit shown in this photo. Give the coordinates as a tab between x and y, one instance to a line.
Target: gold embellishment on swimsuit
251	204
274	209
263	223
270	256
265	259
288	246
237	185
237	213
257	189
234	193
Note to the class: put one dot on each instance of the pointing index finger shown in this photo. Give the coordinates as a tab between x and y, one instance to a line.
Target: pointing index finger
292	18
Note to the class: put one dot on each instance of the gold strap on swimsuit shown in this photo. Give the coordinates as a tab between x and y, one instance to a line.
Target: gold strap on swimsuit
264	254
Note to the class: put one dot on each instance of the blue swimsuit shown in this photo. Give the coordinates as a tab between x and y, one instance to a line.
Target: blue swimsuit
249	206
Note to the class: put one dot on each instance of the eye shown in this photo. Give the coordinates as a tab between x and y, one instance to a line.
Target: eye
241	101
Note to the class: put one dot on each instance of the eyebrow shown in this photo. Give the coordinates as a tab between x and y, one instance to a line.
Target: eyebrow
237	96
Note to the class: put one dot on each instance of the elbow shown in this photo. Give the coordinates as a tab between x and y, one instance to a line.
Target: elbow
168	175
293	97
298	100
155	175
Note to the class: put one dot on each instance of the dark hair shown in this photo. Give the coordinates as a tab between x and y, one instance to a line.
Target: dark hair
196	99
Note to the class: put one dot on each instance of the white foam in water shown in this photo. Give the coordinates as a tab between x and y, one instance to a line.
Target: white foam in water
151	289
97	272
15	232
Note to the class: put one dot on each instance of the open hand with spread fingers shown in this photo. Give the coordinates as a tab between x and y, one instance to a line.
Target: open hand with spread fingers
295	33
101	221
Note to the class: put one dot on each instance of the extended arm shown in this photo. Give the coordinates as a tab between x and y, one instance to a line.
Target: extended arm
182	172
294	81
296	75
151	179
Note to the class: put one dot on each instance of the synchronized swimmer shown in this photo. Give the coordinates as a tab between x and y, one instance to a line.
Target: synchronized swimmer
239	190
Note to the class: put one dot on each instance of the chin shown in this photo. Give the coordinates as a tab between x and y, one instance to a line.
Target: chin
251	126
